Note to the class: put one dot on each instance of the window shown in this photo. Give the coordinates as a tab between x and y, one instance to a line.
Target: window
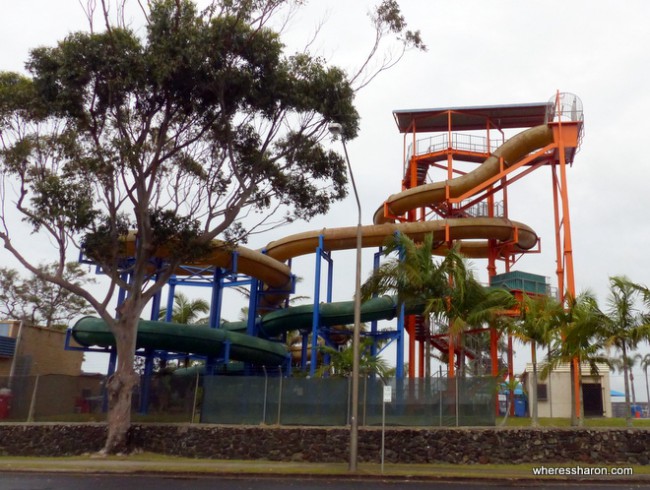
4	329
542	391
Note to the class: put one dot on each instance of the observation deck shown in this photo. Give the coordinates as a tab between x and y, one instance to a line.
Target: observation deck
453	141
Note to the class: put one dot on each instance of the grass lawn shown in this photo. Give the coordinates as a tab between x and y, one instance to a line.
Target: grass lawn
566	422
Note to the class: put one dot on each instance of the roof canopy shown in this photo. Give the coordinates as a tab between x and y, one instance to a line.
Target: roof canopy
471	118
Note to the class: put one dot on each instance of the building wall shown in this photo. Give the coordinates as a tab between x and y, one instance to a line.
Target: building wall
40	351
558	402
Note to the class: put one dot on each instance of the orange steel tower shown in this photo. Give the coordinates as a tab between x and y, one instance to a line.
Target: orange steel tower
462	169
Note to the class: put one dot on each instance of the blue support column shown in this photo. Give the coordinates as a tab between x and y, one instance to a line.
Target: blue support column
374	323
253	299
170	299
215	314
210	365
330	275
155	306
304	351
315	327
251	326
217	298
399	371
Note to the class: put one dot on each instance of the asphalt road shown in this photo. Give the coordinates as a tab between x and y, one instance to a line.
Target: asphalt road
33	481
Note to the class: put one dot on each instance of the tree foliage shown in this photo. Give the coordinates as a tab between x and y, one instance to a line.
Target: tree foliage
37	302
341	360
186	310
446	289
198	127
628	325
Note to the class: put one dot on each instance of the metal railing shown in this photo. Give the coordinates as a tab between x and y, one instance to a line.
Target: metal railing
459	141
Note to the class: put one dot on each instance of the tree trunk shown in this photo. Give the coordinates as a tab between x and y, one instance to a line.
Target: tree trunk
628	408
120	386
647	391
574	418
427	346
550	387
533	387
581	420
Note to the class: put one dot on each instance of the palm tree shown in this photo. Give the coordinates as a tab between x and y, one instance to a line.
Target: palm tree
340	364
414	278
186	312
469	305
540	316
645	362
446	290
627	326
575	341
620	364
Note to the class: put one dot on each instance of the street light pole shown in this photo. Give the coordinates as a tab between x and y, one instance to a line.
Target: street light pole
336	130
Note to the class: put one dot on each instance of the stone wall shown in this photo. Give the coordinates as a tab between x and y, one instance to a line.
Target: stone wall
462	445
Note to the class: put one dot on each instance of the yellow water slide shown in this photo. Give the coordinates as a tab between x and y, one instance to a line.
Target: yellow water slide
511	152
472	232
270	266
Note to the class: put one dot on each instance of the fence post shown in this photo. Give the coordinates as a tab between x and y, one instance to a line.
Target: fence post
440	397
280	397
349	400
32	404
266	392
457	399
365	401
196	396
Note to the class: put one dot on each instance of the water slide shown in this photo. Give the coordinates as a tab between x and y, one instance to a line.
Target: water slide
270	268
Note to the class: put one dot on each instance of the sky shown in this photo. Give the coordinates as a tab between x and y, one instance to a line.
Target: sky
479	53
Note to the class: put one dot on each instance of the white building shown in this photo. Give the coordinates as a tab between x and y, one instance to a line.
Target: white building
554	392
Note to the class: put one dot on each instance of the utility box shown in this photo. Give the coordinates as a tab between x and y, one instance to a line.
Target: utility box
5	403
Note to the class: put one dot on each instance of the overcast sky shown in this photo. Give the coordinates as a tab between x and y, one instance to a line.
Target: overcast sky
480	53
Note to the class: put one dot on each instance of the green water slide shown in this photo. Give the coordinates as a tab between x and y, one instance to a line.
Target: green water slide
194	339
339	313
206	341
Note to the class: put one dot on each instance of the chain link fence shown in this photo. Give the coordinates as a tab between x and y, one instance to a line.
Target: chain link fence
255	400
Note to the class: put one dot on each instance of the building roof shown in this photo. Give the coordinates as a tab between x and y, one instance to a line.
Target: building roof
471	118
603	368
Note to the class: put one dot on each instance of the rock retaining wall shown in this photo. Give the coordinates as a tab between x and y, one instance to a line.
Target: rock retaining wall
450	445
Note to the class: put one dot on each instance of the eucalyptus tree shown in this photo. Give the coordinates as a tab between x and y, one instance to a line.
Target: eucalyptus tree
180	133
627	326
37	302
